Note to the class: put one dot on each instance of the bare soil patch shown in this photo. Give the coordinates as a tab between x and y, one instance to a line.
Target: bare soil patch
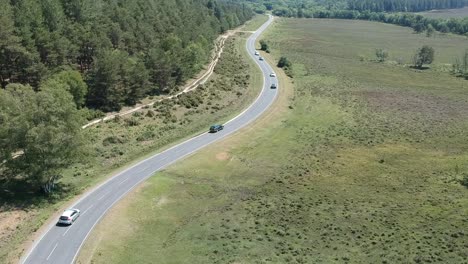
160	201
222	156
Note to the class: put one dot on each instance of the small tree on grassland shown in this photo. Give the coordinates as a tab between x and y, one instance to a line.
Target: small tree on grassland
464	180
381	54
424	55
286	65
460	67
264	46
284	62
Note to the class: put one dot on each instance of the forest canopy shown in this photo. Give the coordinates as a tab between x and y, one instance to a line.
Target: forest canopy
124	50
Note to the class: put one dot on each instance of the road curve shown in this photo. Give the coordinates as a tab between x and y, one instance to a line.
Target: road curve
61	244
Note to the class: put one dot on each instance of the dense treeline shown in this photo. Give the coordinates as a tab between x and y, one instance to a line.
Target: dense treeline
307	7
374	10
403	5
417	22
124	50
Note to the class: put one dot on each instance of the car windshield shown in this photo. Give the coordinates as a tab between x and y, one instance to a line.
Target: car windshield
64	218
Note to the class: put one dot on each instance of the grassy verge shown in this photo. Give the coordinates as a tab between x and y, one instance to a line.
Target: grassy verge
126	140
362	165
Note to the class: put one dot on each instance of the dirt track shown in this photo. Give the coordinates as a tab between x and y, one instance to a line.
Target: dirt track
219	46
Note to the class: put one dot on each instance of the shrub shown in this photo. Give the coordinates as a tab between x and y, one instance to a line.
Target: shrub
132	122
381	55
117	119
284	62
424	55
91	114
150	113
464	180
264	46
190	99
146	135
112	140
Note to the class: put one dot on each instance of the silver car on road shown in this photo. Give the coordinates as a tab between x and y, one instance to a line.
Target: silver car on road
69	216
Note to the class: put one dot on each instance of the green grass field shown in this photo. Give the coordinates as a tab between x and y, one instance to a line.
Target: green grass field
361	165
447	13
125	140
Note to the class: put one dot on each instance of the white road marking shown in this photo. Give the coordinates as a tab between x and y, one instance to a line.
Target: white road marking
123	181
87	210
52	251
67	230
142	170
103	196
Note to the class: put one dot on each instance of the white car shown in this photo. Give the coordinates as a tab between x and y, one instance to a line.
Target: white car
69	216
260	58
272	74
256	53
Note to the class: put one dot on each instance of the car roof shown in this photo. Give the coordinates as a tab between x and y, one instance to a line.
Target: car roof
68	212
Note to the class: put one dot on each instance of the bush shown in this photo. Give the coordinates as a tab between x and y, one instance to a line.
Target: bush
264	46
464	180
284	62
146	135
132	122
112	140
424	55
117	119
381	55
190	99
150	113
91	114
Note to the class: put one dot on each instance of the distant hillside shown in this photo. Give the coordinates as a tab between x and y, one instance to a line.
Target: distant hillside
124	50
404	5
398	12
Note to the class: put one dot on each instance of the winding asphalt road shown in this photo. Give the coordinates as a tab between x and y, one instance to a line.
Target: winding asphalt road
61	244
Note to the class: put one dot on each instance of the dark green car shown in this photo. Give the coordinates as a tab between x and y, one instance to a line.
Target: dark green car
216	128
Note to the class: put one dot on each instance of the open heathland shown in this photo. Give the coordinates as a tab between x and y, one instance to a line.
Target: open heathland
362	164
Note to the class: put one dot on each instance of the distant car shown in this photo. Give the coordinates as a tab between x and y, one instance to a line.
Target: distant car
273	86
256	53
272	74
216	128
260	58
69	216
